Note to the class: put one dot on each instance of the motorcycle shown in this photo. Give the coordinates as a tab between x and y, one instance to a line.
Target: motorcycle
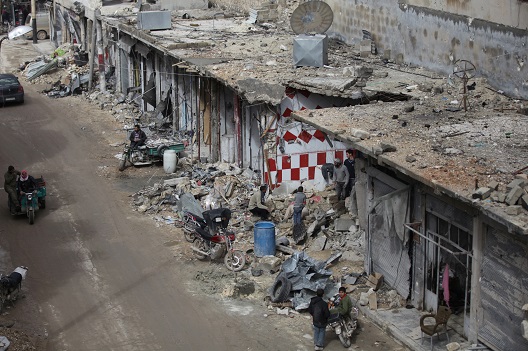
216	241
344	326
189	223
146	155
30	202
10	285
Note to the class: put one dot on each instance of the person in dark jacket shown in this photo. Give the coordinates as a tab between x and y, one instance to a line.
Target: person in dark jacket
137	137
10	185
318	308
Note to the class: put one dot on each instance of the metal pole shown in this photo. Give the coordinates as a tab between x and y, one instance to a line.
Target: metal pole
34	20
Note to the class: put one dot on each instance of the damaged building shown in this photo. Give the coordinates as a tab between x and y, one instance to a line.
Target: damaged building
441	185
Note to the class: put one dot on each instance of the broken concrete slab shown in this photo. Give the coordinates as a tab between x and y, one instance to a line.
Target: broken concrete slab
176	181
482	193
318	244
513	210
515	193
453	346
255	90
272	261
373	301
493	185
343	224
524	201
517	182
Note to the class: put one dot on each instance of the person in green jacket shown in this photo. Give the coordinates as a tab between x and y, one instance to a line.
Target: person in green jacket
343	308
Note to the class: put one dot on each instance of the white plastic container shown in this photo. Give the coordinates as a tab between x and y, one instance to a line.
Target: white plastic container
170	160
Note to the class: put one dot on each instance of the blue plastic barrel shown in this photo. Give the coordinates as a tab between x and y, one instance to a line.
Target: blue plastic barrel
264	237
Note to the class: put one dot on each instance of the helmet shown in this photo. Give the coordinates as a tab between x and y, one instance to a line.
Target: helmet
337	161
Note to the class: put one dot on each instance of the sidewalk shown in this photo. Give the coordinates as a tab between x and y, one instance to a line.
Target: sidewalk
17	51
404	325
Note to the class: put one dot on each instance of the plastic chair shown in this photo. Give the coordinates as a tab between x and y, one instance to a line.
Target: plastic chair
441	317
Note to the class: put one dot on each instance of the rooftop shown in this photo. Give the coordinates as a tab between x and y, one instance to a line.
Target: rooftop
411	119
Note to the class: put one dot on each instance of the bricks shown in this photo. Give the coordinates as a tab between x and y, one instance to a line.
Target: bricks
493	185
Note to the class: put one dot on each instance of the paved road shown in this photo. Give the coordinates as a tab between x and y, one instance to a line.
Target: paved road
100	278
97	279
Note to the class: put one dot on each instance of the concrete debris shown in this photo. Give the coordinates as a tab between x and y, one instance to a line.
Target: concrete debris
453	346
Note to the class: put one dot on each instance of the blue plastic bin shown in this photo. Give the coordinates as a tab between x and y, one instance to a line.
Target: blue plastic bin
264	237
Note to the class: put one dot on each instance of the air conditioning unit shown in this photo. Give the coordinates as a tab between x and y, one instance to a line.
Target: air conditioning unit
154	20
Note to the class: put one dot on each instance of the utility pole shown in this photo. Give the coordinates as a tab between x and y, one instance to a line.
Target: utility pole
34	20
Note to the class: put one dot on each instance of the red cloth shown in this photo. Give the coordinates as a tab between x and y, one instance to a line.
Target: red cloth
445	284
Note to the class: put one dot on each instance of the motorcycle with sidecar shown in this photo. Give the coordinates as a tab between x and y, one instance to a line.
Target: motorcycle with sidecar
30	202
146	155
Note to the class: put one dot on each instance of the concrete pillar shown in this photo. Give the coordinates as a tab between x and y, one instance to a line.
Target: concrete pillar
479	233
100	56
215	123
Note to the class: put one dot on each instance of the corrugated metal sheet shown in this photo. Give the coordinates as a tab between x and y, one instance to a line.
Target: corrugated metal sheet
504	291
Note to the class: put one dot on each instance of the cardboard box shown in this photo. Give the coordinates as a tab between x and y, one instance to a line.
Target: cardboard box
375	280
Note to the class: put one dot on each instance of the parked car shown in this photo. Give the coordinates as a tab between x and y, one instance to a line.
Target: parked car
43	25
10	89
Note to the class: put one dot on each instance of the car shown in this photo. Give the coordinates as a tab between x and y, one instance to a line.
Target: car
10	89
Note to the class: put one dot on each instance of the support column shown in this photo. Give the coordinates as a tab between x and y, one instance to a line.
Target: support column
100	56
479	232
238	129
215	123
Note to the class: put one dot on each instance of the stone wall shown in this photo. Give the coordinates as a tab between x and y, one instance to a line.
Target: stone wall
497	43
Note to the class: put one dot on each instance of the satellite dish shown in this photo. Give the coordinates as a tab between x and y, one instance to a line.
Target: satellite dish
312	17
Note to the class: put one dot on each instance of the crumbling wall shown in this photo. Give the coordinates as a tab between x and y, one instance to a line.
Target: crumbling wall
436	38
503	291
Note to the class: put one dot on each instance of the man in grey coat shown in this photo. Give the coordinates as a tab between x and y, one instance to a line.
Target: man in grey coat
341	178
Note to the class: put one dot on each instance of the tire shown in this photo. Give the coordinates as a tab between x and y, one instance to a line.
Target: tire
345	340
161	150
31	216
42	35
281	289
235	260
200	245
42	204
122	164
188	234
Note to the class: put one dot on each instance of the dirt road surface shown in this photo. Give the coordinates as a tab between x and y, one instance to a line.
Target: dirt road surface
101	276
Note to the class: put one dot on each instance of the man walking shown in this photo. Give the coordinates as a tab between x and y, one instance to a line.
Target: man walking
298	204
10	183
341	178
320	313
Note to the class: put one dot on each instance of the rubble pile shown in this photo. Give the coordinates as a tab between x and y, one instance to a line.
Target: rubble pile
515	194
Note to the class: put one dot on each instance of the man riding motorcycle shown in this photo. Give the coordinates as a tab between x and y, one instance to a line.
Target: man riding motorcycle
344	305
26	183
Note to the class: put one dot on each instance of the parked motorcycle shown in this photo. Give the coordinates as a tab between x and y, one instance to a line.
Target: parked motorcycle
189	223
344	326
216	241
10	285
146	155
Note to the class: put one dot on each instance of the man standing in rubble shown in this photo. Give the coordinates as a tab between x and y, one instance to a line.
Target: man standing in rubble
299	201
256	203
10	185
320	313
341	179
350	164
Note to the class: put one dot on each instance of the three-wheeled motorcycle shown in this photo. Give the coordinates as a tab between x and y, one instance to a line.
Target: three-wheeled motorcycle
30	202
146	155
